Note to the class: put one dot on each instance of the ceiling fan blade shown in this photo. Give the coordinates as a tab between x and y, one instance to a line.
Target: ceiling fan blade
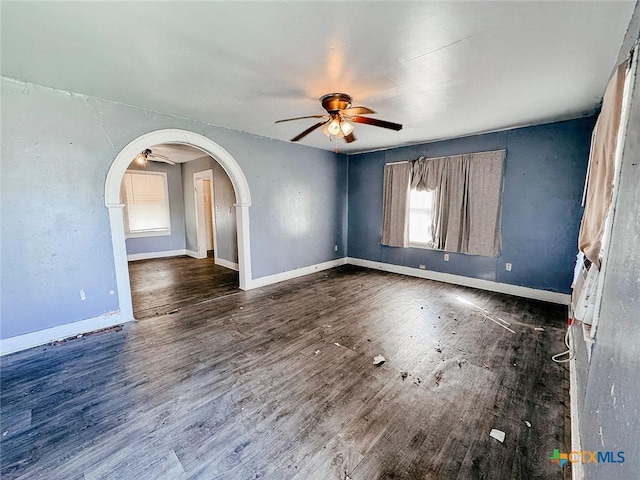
163	160
350	138
377	123
301	118
307	131
156	157
356	111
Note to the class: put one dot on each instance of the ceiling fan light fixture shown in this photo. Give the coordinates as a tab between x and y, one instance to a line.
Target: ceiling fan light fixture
334	126
346	127
141	159
340	119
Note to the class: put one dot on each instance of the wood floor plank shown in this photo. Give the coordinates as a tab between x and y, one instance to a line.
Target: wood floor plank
239	385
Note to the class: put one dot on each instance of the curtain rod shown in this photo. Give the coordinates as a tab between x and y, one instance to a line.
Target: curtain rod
445	156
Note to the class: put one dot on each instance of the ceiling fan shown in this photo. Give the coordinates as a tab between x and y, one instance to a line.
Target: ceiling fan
147	154
340	117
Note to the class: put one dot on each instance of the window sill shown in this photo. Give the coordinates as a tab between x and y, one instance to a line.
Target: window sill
424	246
149	233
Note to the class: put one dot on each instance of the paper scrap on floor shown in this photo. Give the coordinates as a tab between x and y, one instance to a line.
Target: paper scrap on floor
497	434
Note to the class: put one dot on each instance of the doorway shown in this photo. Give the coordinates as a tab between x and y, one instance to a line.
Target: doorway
207	189
205	214
115	207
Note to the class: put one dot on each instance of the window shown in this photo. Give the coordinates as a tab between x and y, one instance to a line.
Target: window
446	203
421	206
146	198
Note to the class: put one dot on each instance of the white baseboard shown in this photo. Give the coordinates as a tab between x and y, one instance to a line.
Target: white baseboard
226	263
299	272
516	290
577	473
132	257
42	337
195	254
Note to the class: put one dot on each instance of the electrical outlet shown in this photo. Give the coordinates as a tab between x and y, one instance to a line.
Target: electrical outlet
335	248
422	267
82	295
508	267
446	257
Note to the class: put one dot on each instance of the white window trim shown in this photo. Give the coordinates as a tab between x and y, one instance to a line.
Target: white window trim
156	232
149	233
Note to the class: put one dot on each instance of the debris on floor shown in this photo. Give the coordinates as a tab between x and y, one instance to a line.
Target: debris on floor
404	375
317	352
539	329
416	381
461	362
438	349
485	313
175	310
438	377
486	365
336	344
497	434
115	328
378	360
528	423
453	333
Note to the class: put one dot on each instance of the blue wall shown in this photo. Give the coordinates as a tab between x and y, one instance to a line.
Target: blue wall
57	148
176	240
544	176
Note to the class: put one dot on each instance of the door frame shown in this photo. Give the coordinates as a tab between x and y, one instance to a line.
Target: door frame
201	242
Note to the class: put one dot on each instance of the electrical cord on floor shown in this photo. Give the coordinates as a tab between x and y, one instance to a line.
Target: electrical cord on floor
568	352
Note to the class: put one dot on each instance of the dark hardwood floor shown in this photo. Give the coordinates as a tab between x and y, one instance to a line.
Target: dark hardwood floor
162	285
279	383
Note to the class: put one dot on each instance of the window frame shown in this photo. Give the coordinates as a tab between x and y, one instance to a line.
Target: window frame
154	232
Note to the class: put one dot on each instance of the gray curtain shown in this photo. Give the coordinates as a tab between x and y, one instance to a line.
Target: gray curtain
395	208
468	200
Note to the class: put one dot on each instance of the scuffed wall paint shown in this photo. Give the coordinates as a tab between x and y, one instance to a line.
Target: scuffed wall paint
57	148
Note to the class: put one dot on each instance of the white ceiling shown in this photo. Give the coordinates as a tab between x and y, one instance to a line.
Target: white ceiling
443	69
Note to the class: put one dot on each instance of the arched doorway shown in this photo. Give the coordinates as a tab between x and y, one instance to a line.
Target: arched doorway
113	203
